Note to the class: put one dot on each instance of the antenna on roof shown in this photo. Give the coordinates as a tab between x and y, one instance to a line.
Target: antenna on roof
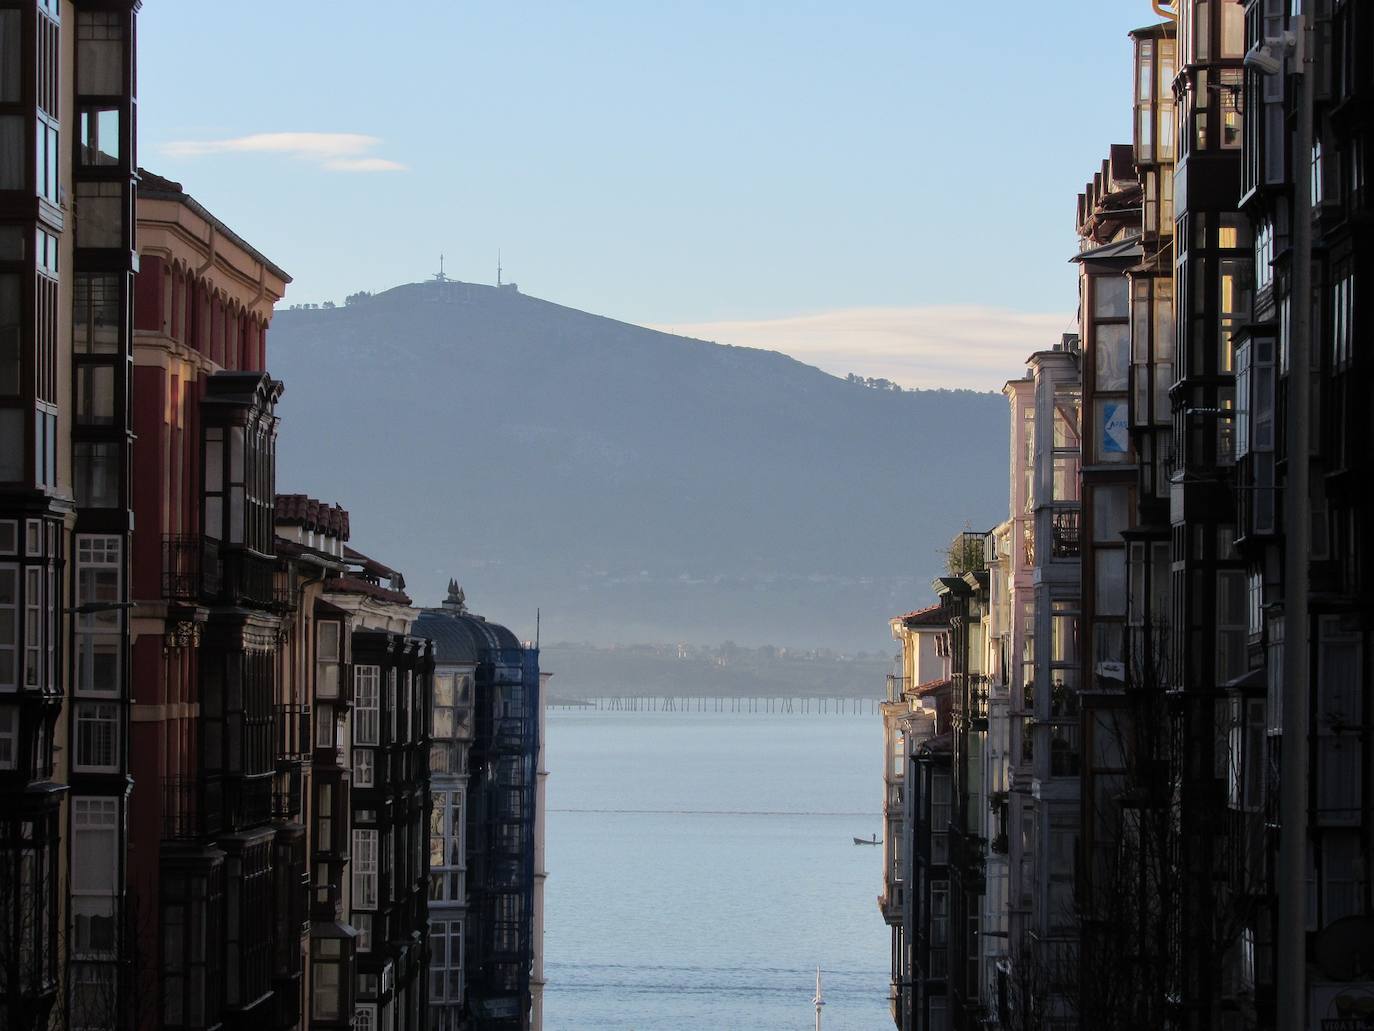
439	276
536	628
498	266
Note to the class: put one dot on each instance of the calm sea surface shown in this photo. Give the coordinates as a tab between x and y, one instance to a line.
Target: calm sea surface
702	866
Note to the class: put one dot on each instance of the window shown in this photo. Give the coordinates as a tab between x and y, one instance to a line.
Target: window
364	767
97	314
95	839
96	474
362	923
325	982
365	1016
1233	620
327	656
99	53
99	636
1342	321
366	705
100	207
9	736
11	326
9	627
100	137
445	961
95	395
324	817
324	726
365	871
97	736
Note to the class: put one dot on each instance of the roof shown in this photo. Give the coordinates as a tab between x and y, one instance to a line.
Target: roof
931	687
320	516
931	615
357	585
152	186
1128	249
371	565
940	744
461	637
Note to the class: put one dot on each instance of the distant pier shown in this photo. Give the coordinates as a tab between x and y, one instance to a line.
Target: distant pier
783	706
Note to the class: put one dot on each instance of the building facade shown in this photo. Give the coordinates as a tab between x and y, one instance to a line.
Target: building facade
67	173
484	895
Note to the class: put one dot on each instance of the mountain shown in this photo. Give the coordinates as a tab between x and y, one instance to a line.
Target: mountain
632	484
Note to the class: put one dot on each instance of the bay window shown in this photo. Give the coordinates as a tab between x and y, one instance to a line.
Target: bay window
97	737
367	705
365	868
99	634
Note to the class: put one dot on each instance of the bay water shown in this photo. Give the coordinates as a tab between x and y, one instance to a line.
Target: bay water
702	866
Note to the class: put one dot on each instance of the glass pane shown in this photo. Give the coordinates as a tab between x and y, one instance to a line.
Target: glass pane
100	141
1113	352
1109	297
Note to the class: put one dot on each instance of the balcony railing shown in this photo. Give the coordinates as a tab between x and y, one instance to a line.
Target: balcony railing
896	687
190	568
1066	528
292	729
978	701
287	793
248	800
191	809
249	579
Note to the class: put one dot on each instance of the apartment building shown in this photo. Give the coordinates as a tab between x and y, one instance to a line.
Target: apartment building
67	161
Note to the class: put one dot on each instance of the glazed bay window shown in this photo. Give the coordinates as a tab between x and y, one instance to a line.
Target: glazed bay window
96	472
99	634
364	768
11	328
97	313
97	737
330	977
328	635
366	870
9	627
192	974
95	388
103	208
94	877
9	736
367	705
446	856
101	143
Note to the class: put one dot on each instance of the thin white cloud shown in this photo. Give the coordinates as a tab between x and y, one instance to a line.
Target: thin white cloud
334	151
952	346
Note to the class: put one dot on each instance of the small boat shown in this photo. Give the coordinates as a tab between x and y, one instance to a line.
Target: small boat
867	841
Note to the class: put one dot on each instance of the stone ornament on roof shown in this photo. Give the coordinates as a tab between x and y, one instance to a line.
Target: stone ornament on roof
456	600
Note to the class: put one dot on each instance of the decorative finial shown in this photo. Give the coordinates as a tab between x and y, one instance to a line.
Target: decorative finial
456	600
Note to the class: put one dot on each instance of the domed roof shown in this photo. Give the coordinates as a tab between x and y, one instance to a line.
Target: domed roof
461	637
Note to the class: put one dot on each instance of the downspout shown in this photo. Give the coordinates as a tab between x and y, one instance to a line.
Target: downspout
1161	8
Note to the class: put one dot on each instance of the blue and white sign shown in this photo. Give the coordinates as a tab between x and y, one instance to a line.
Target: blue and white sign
1115	437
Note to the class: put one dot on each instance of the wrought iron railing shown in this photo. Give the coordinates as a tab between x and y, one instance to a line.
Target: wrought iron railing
249	579
896	687
191	808
292	729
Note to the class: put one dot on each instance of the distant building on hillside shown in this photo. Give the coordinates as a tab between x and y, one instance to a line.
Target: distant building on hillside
486	825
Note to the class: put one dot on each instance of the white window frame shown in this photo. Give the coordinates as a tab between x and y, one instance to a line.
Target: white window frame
96	554
327	666
365	1016
366	876
99	713
364	768
367	682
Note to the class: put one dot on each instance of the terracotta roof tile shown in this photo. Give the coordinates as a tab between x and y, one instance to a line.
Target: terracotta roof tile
931	615
320	516
355	585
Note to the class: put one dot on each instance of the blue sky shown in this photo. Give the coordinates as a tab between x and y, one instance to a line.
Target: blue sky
723	168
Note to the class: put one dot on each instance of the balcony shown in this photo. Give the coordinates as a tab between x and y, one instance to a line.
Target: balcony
1066	533
897	687
190	568
292	730
288	793
247	579
191	809
978	702
248	800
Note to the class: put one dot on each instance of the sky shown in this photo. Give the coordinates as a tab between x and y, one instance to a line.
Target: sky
884	187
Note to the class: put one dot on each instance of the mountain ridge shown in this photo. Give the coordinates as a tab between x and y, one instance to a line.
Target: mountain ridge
634	484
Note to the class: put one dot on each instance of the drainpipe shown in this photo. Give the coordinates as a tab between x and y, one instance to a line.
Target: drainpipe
1293	779
1162	8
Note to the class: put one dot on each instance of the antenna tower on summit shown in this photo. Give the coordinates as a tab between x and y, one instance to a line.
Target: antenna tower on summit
439	276
498	267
